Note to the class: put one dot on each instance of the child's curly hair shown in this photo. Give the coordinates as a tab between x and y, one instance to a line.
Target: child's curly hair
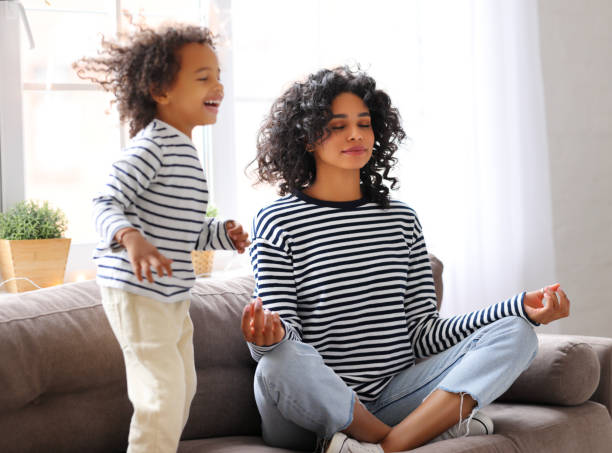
136	65
298	119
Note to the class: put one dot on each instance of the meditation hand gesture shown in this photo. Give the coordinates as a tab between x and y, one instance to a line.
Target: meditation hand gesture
260	326
547	305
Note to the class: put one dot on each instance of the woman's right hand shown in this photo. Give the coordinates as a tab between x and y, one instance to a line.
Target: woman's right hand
261	326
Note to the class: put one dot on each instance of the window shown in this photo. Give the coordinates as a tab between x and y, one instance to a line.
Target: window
71	131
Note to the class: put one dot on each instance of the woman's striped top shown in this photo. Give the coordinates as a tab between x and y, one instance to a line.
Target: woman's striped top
157	186
354	281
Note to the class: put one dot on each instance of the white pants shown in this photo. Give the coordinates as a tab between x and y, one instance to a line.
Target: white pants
157	343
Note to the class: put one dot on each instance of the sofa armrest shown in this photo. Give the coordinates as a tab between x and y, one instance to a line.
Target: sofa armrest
603	348
566	371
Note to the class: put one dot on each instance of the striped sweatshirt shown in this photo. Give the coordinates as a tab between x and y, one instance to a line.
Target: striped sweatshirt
355	282
158	186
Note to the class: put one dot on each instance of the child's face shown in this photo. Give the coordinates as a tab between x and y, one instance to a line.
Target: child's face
197	92
349	145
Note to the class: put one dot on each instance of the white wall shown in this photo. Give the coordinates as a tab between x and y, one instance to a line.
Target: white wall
576	52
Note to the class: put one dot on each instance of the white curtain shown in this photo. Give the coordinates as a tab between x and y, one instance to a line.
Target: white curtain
477	170
12	16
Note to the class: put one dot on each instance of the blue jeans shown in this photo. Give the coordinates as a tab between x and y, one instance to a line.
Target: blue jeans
301	399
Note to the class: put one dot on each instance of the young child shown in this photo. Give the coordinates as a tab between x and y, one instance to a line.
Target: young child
151	214
346	301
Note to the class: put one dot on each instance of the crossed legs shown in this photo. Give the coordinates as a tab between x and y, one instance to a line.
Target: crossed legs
300	398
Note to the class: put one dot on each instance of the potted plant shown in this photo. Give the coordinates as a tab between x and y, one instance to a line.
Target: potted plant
33	252
203	259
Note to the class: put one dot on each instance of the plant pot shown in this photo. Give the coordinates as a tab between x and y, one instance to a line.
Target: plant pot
43	261
202	262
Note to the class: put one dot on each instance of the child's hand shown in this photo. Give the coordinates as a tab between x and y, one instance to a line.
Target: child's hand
239	238
144	255
260	326
547	305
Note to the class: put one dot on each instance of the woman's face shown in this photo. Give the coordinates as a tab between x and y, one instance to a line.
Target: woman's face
351	139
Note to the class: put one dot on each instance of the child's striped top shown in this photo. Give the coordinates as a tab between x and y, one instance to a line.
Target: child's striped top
157	186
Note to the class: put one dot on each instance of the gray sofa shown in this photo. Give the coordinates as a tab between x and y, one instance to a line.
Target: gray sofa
62	383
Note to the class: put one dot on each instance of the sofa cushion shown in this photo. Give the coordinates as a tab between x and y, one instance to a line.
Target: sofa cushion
603	348
565	371
536	428
540	428
224	404
63	380
65	387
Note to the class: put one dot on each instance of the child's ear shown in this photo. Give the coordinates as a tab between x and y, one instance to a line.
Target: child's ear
161	97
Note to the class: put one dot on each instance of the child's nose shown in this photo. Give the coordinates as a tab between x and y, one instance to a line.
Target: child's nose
219	88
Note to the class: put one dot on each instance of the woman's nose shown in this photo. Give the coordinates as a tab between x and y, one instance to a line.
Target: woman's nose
355	133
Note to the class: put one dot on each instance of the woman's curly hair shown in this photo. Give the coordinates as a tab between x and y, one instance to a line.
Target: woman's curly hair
135	65
299	119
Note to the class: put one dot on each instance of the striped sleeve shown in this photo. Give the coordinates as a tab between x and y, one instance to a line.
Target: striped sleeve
129	177
430	334
214	236
275	285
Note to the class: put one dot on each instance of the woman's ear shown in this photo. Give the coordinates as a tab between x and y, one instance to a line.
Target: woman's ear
310	148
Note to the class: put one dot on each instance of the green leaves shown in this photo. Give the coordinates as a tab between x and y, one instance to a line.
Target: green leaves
32	220
211	211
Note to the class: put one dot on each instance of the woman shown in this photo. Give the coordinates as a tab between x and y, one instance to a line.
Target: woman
345	296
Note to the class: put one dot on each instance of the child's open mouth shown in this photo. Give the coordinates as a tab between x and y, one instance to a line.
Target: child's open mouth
212	106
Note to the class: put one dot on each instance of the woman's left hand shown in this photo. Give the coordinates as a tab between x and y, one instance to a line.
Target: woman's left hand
239	237
547	305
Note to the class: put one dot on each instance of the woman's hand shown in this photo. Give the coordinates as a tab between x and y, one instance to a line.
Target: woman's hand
260	326
239	237
143	255
547	305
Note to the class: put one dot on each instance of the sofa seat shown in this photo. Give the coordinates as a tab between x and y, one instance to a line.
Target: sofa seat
518	428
